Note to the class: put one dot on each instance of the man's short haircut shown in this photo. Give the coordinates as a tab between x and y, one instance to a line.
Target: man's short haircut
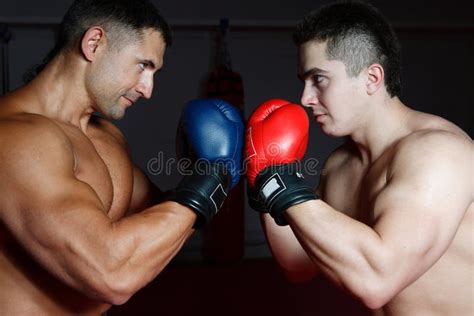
357	34
122	20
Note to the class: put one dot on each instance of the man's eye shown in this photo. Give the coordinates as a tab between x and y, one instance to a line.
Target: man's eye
317	78
142	66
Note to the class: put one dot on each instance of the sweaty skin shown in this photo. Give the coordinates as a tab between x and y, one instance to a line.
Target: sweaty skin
78	227
394	225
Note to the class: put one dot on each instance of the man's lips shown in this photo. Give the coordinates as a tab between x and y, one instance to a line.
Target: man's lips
319	113
319	116
131	101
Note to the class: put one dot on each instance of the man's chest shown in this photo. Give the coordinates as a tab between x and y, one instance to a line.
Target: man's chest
354	190
105	165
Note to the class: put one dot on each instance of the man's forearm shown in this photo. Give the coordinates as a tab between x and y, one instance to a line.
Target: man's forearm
141	245
106	260
349	252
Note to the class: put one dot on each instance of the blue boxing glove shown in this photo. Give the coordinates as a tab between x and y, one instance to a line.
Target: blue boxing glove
210	133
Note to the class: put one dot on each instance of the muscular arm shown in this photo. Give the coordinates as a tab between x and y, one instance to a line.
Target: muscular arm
62	223
285	247
144	194
287	251
416	217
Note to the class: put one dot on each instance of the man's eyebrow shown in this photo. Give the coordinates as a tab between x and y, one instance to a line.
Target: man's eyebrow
311	72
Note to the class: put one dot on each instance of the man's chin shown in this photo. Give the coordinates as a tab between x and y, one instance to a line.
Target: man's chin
117	117
331	132
115	113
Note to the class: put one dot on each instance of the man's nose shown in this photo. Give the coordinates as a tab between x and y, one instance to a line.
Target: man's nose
309	96
145	87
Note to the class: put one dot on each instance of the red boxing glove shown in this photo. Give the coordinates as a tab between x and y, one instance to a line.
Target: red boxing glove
277	133
276	139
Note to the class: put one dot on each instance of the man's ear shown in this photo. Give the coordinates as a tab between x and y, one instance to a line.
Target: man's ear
375	78
93	41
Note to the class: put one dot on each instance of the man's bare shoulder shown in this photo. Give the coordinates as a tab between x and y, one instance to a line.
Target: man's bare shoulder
23	135
18	124
426	122
435	140
428	150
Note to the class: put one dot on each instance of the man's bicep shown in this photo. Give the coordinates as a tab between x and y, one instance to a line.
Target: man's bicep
58	219
65	231
288	251
144	194
47	221
417	214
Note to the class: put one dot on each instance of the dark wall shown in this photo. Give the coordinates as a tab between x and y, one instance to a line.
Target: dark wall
437	60
435	12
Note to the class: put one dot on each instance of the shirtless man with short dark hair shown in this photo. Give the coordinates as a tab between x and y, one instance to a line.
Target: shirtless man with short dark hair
81	227
392	220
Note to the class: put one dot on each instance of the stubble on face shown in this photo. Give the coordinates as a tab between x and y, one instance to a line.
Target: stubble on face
104	86
112	84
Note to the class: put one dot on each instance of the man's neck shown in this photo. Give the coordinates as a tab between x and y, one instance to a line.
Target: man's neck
58	92
384	125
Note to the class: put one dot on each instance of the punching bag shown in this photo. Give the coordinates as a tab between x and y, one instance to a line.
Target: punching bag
223	238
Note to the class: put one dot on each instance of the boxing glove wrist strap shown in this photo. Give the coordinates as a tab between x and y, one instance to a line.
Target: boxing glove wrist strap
277	188
203	189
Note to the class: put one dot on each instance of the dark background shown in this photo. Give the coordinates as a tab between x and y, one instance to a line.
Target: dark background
437	62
